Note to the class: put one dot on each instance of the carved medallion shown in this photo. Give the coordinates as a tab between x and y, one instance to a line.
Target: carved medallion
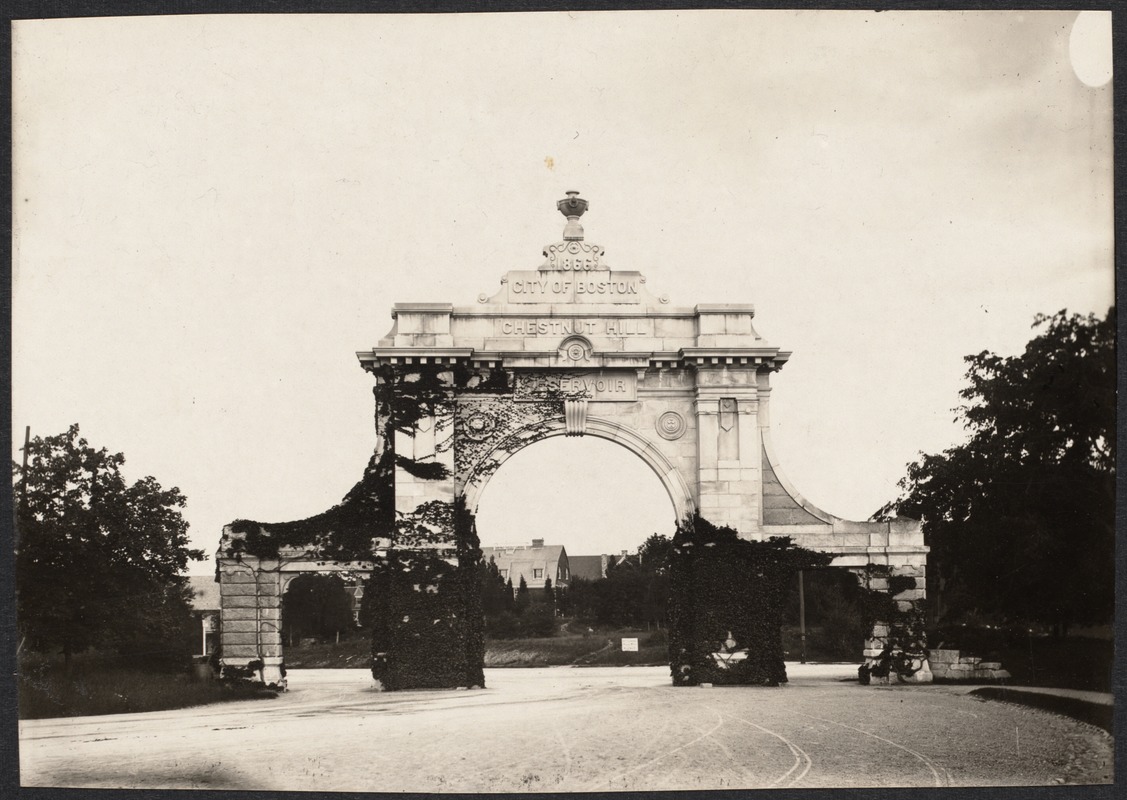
671	425
479	426
575	348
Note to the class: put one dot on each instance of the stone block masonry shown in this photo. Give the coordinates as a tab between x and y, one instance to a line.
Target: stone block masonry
952	665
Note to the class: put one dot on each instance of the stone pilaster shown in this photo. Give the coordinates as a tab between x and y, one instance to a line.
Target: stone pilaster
899	639
250	617
729	452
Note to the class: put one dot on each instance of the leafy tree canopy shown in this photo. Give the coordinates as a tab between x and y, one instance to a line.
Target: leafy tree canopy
655	552
1020	517
99	560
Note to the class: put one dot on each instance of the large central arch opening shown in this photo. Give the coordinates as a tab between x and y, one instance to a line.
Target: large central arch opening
581	522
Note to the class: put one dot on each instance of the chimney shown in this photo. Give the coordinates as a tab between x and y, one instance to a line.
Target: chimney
537	542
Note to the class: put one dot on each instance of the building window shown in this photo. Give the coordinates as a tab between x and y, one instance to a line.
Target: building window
537	573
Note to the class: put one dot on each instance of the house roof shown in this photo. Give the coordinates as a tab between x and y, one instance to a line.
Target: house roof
591	567
205	592
522	560
586	567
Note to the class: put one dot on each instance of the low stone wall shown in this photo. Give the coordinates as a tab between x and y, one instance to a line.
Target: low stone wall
951	665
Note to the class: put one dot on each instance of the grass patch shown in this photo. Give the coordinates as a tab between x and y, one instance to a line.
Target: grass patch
45	690
352	653
824	645
1093	713
601	648
596	649
1063	663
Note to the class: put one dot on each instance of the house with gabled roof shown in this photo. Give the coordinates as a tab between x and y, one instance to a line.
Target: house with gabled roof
592	568
536	563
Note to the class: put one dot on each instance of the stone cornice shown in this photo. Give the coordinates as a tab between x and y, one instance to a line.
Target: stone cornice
698	357
724	308
421	308
563	310
414	355
577	309
726	356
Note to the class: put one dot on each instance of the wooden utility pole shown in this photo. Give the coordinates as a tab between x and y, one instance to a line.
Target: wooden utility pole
26	445
801	618
23	487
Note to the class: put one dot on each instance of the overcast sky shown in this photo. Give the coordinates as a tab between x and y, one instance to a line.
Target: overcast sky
212	214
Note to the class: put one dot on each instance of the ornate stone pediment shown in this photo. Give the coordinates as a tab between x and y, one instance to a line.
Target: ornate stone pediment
574	256
574	272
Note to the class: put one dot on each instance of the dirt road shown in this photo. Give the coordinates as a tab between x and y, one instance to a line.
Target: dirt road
572	729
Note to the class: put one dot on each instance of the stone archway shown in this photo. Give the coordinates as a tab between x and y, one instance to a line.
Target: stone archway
571	348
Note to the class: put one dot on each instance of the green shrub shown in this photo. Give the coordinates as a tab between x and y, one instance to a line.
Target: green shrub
46	690
727	594
425	612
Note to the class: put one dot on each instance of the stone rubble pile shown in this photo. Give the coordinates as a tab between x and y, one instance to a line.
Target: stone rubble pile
951	665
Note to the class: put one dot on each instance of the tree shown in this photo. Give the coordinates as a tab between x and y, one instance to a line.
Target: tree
522	598
99	561
654	555
655	552
722	588
1021	517
496	597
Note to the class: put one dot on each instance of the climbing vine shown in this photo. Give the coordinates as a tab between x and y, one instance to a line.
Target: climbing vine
726	604
424	608
492	422
422	601
346	532
899	625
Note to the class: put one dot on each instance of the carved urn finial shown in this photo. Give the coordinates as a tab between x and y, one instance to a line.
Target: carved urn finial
572	207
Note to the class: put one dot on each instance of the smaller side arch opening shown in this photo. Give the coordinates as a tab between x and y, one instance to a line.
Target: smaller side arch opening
317	608
827	604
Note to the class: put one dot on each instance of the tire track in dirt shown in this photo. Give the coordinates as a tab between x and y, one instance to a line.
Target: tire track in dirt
637	767
940	780
800	755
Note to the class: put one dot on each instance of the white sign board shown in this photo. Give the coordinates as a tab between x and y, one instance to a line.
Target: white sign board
630	645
